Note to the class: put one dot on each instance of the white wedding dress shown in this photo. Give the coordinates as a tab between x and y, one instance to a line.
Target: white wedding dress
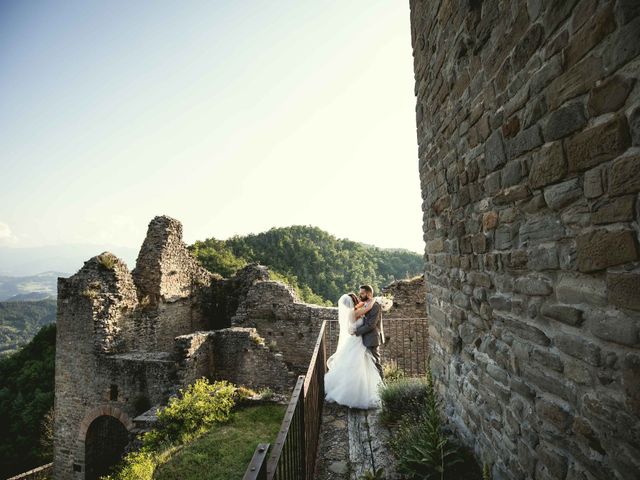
352	378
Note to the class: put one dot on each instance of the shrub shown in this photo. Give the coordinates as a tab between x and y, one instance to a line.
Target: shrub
402	397
266	393
422	450
139	465
392	371
199	406
107	260
242	393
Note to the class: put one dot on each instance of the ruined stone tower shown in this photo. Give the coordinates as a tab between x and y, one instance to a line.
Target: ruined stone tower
528	125
126	341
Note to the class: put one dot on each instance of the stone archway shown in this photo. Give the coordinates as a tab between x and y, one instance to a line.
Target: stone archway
104	434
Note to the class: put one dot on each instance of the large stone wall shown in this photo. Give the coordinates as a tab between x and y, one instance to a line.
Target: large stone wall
528	126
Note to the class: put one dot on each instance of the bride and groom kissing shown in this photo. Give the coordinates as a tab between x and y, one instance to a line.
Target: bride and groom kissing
354	370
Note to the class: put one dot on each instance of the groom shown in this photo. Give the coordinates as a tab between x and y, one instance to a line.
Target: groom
370	328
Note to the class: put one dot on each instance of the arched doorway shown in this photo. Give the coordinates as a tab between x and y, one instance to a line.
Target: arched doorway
104	445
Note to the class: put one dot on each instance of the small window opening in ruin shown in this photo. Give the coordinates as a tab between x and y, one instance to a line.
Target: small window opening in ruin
113	392
77	468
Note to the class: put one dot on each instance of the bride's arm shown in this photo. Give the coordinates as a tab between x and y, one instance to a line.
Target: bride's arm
361	311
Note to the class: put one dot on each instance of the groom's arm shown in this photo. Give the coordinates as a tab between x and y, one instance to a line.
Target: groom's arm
369	323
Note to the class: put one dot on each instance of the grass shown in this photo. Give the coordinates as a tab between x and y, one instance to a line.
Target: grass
225	451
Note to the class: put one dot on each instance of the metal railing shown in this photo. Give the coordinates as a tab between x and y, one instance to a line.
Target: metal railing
406	342
293	453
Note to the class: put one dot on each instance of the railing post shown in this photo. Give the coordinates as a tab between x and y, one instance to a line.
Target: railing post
257	469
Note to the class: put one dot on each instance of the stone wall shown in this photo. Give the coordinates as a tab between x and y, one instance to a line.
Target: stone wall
286	324
528	126
408	298
236	354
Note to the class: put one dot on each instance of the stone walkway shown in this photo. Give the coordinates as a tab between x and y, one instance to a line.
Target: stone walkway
352	441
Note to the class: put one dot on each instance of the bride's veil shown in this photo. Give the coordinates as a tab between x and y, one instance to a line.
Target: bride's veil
345	316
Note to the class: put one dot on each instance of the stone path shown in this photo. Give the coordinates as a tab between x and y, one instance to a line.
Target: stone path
352	441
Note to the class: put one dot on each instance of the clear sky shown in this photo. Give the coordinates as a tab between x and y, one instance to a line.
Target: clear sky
231	116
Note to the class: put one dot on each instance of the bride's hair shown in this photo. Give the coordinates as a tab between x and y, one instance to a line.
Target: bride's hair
354	298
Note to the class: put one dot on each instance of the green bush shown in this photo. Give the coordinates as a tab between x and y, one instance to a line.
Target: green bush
197	409
392	371
402	397
419	444
199	406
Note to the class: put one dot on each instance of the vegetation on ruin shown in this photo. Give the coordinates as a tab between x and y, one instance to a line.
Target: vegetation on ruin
423	449
26	397
314	261
185	441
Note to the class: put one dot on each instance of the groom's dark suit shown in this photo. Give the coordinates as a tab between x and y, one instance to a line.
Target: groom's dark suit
370	332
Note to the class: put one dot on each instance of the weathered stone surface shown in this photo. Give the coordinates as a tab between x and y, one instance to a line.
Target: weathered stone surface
533	286
625	175
598	144
575	289
600	249
523	142
623	289
549	166
631	381
541	229
563	313
612	210
593	183
562	340
578	347
634	126
562	194
564	121
543	258
494	151
613	327
609	95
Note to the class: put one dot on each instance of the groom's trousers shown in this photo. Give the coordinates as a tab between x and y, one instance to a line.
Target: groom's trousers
375	351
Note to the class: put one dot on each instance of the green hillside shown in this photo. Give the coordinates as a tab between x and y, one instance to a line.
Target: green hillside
20	321
316	261
26	395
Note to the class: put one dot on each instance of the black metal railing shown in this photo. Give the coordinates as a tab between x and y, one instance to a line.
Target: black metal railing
293	454
406	343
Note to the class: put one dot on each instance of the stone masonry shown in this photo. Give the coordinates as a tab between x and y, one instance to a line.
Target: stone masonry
528	127
127	341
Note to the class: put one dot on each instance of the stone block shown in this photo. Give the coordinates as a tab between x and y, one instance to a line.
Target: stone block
579	347
631	381
494	151
576	289
543	258
562	194
612	210
541	229
609	95
613	327
512	194
489	220
597	27
593	183
533	286
597	144
564	121
599	249
511	173
624	46
523	142
563	313
549	166
634	126
623	289
624	176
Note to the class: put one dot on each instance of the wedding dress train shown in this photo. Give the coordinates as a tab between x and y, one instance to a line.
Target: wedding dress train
352	378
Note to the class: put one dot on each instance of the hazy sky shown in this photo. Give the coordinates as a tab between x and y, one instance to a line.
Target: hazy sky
231	116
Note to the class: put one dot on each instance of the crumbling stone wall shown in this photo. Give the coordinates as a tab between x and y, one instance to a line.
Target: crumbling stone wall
528	126
286	324
408	298
127	341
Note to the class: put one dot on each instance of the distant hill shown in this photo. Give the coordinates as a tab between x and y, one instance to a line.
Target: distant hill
27	261
20	321
321	265
31	287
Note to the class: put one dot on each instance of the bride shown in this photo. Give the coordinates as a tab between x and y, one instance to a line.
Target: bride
353	378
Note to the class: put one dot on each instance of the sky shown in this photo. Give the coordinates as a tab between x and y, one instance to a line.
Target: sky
231	116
